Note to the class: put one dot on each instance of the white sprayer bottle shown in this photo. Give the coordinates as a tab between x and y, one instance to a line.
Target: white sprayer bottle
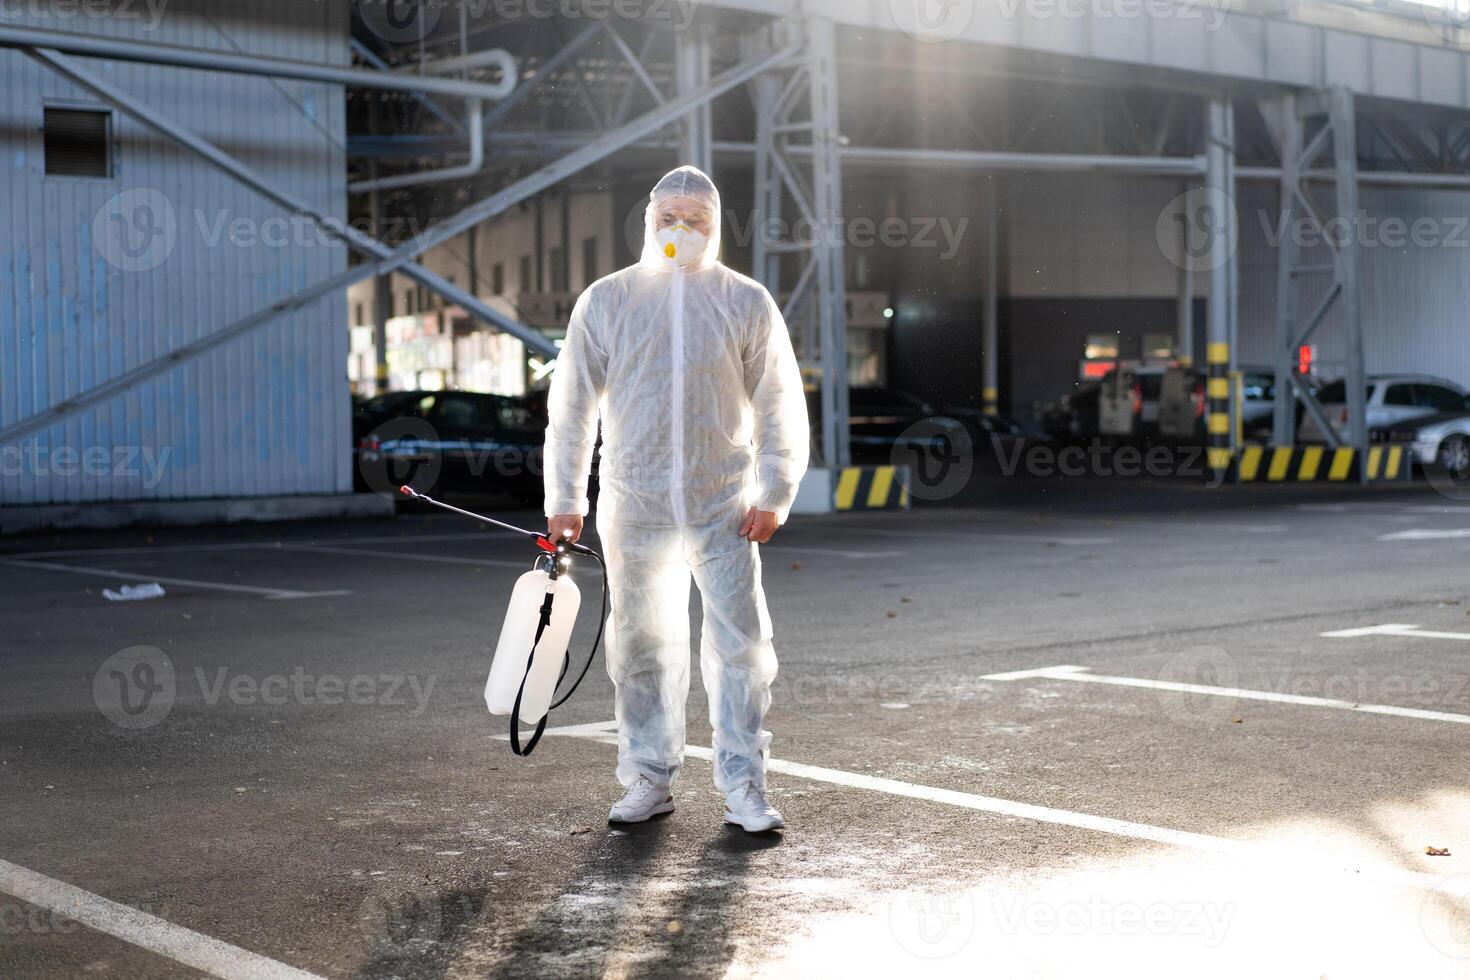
518	636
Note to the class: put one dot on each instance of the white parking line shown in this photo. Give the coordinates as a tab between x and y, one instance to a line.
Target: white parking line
1426	534
1070	672
115	573
981	536
1265	854
1394	629
140	929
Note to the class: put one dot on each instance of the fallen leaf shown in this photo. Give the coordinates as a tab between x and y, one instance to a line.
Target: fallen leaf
1437	852
796	566
1236	721
907	598
579	831
892	614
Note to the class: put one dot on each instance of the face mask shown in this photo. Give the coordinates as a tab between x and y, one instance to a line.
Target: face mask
681	244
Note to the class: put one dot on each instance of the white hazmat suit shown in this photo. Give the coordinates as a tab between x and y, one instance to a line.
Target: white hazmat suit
691	369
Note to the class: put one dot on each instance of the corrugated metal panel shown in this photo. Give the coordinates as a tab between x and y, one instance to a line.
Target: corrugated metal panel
82	297
1416	302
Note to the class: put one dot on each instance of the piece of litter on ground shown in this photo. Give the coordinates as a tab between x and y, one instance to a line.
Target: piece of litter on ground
133	593
892	614
579	831
448	854
1437	852
894	705
675	926
239	789
907	598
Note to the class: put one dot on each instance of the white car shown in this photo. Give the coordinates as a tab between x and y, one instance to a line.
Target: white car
1391	399
1442	439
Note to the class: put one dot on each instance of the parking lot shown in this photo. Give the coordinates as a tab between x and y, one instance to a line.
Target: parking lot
1068	733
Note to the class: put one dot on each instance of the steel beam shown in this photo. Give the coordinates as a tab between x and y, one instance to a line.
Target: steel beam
117	49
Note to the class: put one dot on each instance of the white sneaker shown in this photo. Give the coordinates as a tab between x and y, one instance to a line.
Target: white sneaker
748	807
644	799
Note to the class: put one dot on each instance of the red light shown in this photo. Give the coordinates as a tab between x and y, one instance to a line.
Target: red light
369	444
1199	401
1304	357
1138	399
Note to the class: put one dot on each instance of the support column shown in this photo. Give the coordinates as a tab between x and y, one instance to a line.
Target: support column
382	304
766	263
1221	326
1283	429
990	310
1328	117
1184	305
1348	259
692	72
831	253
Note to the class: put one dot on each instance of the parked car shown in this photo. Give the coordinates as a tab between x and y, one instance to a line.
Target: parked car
1129	405
1074	416
1391	399
471	442
882	419
1442	439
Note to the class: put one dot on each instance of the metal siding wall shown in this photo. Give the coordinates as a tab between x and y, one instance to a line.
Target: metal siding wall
1416	298
267	414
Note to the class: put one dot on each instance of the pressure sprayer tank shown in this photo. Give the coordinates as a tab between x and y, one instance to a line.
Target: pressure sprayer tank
516	639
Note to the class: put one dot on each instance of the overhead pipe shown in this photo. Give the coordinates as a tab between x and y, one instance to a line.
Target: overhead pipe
476	121
468	62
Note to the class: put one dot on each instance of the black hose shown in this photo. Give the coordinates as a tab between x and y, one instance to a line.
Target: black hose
601	626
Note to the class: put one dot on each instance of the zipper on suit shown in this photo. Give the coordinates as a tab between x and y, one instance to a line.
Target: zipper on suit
676	349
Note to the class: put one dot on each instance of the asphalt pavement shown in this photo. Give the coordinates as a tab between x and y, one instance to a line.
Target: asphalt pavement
1066	730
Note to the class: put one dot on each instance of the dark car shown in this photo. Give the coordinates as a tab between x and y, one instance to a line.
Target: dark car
451	441
882	420
1073	417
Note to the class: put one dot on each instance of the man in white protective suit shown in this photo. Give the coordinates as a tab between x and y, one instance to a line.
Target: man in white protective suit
704	441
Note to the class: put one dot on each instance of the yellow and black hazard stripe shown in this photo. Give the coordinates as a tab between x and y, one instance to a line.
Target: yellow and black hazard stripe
1318	464
1217	404
872	488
